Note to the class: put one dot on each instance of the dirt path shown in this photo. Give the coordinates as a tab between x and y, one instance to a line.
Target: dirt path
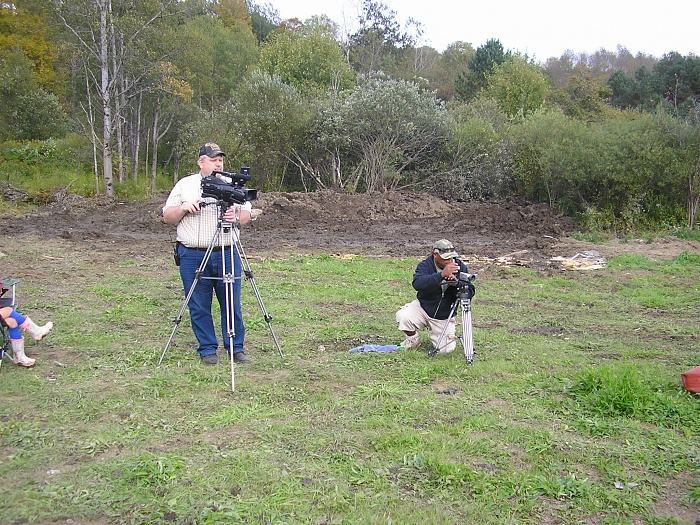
391	224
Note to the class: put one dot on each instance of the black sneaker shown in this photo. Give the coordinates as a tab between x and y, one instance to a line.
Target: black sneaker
210	359
240	357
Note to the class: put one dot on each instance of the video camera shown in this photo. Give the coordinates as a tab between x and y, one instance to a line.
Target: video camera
228	187
465	284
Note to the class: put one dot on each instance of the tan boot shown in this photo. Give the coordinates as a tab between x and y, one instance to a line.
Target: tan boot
411	341
37	332
18	356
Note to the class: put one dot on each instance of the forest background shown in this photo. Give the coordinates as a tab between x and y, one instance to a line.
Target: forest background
115	96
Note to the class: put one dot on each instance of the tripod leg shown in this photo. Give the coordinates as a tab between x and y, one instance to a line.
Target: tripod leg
197	278
228	314
177	320
467	333
248	272
444	330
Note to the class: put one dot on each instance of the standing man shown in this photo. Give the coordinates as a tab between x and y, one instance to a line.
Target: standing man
434	281
197	221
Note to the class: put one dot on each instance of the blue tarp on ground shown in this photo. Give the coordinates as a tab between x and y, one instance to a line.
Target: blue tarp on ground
374	348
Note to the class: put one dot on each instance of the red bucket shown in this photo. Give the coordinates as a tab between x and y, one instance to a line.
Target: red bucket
691	380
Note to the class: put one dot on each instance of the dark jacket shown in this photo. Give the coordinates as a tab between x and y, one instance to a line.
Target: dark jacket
429	284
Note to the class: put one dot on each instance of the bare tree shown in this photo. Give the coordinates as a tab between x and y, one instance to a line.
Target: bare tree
158	131
97	31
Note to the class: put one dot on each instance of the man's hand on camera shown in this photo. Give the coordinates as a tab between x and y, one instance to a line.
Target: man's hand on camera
190	206
233	214
449	271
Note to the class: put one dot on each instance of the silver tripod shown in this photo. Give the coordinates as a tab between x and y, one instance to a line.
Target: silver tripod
229	243
465	292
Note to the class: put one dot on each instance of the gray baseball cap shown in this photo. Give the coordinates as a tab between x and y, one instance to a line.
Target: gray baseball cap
445	248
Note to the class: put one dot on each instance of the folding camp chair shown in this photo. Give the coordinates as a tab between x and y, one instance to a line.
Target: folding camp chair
7	299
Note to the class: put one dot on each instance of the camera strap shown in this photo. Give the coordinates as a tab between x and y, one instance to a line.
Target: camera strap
444	284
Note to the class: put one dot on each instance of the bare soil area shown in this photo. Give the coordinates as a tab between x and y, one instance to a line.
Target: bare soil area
388	224
383	225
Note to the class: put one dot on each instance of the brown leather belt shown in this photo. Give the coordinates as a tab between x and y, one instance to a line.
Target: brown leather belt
214	249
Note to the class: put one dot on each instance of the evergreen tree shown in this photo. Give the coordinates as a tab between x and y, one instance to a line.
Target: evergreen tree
469	83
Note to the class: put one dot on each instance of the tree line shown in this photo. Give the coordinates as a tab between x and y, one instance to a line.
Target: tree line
134	87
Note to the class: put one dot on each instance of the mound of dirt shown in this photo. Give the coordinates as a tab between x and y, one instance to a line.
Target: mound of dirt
402	224
387	224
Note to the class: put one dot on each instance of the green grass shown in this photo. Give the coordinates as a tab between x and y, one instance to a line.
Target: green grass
688	234
572	412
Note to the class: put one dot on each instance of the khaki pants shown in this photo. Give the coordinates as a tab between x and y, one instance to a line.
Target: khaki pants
412	318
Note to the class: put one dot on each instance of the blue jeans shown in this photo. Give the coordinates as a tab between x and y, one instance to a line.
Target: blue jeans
211	281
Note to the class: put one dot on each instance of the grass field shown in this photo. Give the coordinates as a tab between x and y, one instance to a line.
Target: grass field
572	412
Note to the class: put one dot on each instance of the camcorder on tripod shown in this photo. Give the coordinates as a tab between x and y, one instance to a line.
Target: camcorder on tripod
227	188
465	291
465	283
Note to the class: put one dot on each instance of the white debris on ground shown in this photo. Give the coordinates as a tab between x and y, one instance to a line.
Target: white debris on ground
590	260
510	259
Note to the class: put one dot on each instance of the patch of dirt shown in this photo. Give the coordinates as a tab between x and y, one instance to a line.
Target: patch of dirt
387	224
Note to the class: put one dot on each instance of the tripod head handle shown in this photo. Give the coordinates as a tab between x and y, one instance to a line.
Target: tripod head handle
239	177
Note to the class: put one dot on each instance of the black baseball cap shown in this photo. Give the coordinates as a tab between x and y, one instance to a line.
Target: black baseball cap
211	149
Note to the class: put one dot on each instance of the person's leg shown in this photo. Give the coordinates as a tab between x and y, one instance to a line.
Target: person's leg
37	332
6	312
449	341
18	355
239	339
410	318
13	319
199	304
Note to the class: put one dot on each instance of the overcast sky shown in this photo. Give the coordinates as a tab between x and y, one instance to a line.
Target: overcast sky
540	28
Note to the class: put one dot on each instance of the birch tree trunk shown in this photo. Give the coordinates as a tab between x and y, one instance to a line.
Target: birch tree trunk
119	103
136	140
105	94
154	139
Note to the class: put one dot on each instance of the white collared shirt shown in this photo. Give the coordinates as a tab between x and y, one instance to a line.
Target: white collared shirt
196	230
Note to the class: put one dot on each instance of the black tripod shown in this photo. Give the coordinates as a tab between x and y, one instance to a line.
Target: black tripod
465	292
229	242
